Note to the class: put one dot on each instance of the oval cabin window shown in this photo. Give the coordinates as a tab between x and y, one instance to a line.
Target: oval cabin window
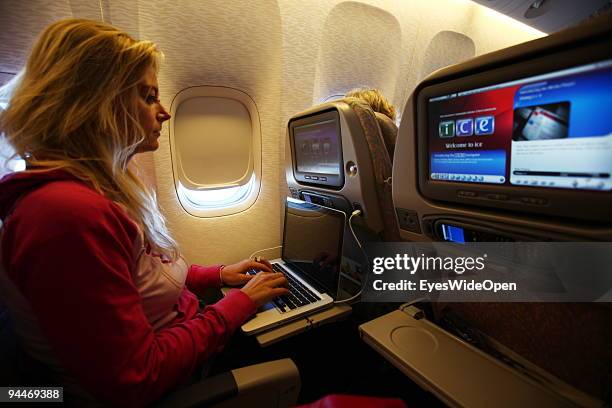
216	150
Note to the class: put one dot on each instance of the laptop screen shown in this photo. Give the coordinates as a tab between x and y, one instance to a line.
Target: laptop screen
312	243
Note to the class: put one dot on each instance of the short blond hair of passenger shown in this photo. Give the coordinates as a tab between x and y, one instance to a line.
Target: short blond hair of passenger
375	99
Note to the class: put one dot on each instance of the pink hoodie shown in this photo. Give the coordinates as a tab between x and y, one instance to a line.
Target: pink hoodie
99	301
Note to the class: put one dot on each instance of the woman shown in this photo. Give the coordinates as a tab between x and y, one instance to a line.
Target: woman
97	290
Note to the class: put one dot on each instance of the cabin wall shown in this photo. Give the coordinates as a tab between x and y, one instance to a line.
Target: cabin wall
326	53
286	55
230	44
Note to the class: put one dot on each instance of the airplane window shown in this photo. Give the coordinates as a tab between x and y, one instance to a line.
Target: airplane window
376	64
332	97
8	164
447	48
216	198
6	151
216	150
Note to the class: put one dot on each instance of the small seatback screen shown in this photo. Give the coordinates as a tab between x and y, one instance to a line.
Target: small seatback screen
547	131
453	234
312	243
317	150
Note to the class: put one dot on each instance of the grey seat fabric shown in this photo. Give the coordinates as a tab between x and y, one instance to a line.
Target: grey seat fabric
381	155
273	383
388	129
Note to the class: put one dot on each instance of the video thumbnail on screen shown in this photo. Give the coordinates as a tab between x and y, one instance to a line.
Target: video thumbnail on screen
541	122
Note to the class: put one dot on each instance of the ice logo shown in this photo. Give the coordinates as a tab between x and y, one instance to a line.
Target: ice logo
484	125
446	129
465	127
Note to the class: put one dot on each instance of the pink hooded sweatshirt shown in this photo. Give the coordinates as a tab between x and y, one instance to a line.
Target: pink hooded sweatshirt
92	303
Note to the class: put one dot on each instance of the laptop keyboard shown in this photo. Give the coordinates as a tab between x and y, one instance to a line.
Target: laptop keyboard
299	295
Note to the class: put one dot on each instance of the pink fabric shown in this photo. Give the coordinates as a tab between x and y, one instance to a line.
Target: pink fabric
202	277
71	253
355	401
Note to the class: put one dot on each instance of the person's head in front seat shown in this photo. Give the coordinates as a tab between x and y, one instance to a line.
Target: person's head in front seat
375	100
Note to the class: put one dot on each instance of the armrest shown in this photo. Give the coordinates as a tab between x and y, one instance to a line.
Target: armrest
270	384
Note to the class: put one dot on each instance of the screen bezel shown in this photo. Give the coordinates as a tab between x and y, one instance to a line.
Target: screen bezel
581	204
292	202
335	181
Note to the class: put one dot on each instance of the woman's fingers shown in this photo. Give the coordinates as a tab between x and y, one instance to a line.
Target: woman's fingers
279	292
265	262
262	265
245	278
269	275
278	281
265	286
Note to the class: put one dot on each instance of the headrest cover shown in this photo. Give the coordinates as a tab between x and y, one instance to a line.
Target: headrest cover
389	132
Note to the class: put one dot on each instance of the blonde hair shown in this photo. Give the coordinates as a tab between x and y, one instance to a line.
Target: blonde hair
75	108
375	100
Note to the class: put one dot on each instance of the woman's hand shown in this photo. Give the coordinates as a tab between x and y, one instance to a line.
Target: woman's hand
235	274
265	286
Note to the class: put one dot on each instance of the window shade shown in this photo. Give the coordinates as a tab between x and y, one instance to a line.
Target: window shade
213	138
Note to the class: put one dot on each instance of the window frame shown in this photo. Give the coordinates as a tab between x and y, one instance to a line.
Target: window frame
253	184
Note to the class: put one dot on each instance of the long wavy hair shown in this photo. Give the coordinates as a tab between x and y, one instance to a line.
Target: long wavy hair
75	108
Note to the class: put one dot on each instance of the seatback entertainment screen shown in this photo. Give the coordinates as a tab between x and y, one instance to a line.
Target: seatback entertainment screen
316	147
547	131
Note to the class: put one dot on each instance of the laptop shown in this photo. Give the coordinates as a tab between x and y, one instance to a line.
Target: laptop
311	258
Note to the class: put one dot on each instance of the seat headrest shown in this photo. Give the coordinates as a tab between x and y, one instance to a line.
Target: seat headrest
388	128
389	132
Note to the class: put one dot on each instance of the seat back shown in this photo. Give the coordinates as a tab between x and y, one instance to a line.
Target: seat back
367	142
381	155
571	340
388	130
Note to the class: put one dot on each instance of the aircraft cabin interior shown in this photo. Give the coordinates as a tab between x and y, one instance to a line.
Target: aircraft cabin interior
500	137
